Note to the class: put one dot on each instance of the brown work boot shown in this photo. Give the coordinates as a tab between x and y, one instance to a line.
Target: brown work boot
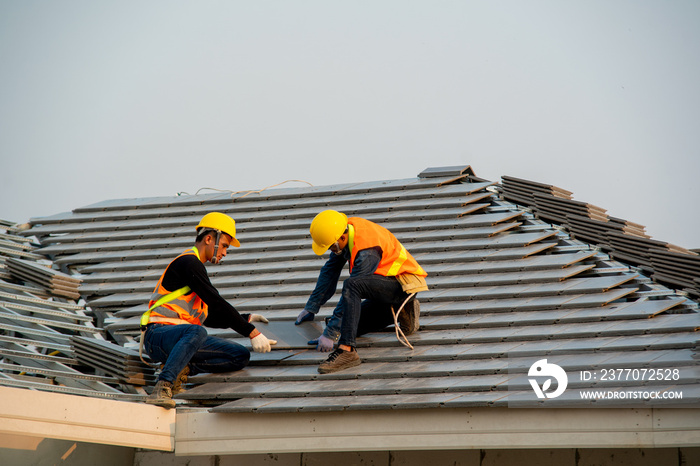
181	380
161	395
408	318
339	360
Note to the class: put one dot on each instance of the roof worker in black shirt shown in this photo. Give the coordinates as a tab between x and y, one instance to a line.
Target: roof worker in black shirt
183	301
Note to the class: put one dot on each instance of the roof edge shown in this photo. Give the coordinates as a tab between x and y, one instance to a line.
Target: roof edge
202	433
30	413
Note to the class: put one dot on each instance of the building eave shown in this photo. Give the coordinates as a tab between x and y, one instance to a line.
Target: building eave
203	433
26	414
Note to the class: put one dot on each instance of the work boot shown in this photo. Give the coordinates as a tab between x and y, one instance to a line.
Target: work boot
161	395
181	380
339	360
408	318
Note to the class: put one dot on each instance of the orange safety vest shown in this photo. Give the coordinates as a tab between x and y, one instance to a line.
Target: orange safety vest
396	260
179	307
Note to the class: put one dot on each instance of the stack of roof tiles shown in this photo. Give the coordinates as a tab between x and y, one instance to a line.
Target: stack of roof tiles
37	324
624	240
116	361
504	288
53	281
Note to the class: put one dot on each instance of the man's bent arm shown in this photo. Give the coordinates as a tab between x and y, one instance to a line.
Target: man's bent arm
327	282
366	262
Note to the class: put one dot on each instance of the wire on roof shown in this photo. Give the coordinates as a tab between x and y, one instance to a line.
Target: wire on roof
268	187
180	193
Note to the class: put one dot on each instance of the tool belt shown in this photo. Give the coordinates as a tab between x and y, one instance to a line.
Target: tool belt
412	283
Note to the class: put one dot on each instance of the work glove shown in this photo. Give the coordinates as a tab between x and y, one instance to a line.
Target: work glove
304	316
258	318
323	343
261	344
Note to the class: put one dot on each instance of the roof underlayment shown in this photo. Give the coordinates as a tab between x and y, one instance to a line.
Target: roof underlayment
518	272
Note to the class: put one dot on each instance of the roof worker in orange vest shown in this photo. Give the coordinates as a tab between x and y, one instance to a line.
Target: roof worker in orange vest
185	299
382	273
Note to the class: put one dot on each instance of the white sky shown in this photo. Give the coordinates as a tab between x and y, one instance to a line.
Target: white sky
120	99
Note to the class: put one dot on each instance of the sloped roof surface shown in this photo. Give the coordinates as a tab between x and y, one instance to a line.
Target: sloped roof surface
505	287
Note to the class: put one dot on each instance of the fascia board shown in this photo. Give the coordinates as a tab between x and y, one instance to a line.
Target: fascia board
93	420
199	432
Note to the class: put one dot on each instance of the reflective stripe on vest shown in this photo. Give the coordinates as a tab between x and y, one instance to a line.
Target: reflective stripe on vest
394	269
146	316
190	310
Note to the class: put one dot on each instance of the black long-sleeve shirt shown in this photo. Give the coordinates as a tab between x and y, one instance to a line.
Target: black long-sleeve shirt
188	270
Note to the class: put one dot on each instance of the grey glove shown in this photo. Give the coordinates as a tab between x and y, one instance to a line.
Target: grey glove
304	316
323	343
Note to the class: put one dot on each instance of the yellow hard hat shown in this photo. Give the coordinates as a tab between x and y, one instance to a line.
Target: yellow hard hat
221	222
326	228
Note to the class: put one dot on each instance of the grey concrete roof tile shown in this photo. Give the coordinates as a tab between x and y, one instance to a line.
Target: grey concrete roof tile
406	386
578	362
484	350
273	358
456	367
645	308
537	348
261	374
490	335
444	352
668	323
396	401
440	308
423	202
575	330
659	324
630	343
676	357
290	336
579	345
326	388
479	383
476	399
454	233
500	305
600	283
395	354
451	171
599	299
646	358
311	404
507	278
228	391
244	405
526	318
525	251
449	322
121	299
441	337
676	340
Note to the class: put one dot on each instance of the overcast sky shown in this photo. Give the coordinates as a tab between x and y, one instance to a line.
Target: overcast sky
120	99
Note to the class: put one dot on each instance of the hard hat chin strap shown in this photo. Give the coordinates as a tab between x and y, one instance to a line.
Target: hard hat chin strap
215	259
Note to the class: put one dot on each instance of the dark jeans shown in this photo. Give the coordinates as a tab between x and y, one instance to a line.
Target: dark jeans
180	345
372	315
